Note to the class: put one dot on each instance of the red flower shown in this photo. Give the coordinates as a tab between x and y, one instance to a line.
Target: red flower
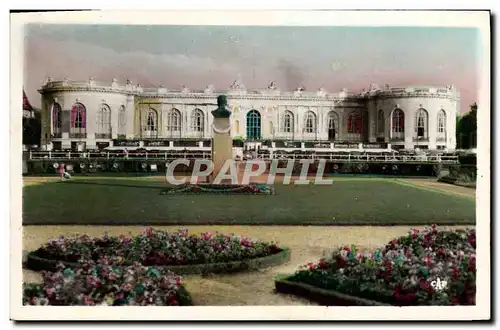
172	300
456	273
472	264
322	264
311	266
341	262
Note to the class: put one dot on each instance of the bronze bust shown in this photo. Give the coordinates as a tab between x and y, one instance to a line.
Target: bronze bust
221	111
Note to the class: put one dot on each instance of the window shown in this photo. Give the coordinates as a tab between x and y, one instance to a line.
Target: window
381	122
150	128
104	120
122	120
288	122
151	123
441	119
333	125
354	123
78	118
56	118
174	121
310	122
333	120
398	121
253	125
197	120
421	123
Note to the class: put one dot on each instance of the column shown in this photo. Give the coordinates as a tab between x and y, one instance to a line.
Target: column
372	126
184	121
451	125
130	115
91	122
409	128
114	121
432	129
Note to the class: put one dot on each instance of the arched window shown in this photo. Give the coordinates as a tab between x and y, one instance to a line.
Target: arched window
104	121
441	121
354	123
398	124
150	129
288	126
78	119
122	120
253	125
421	124
333	125
174	121
381	123
197	120
56	118
310	122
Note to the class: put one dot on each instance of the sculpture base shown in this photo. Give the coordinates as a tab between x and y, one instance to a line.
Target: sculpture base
219	189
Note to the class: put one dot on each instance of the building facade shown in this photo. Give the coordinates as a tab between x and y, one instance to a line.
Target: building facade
90	114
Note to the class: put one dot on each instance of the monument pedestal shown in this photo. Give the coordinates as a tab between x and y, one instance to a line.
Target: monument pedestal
222	143
222	161
222	146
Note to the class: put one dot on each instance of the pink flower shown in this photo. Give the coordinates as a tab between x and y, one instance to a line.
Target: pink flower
50	291
428	260
127	287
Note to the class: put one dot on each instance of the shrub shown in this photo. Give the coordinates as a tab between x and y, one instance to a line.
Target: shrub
104	283
158	247
402	272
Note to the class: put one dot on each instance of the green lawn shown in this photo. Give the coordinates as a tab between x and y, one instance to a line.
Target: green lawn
118	201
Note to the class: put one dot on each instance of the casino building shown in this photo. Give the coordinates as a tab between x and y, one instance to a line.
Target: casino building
90	115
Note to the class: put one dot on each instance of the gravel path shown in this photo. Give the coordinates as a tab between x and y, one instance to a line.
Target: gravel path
450	188
252	288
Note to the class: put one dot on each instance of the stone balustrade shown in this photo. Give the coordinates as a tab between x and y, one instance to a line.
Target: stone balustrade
210	91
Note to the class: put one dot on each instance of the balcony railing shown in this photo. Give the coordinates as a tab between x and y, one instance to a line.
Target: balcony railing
329	156
78	135
103	136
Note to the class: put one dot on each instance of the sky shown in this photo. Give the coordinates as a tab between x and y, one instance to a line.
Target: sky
196	56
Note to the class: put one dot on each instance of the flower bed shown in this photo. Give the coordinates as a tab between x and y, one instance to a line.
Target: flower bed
400	274
104	283
177	251
221	189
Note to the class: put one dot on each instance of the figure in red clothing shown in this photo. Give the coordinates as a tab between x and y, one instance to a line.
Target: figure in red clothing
61	171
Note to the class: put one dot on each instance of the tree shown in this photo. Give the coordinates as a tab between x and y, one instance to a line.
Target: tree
466	129
32	129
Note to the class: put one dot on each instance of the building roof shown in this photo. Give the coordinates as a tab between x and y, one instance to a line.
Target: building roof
26	103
